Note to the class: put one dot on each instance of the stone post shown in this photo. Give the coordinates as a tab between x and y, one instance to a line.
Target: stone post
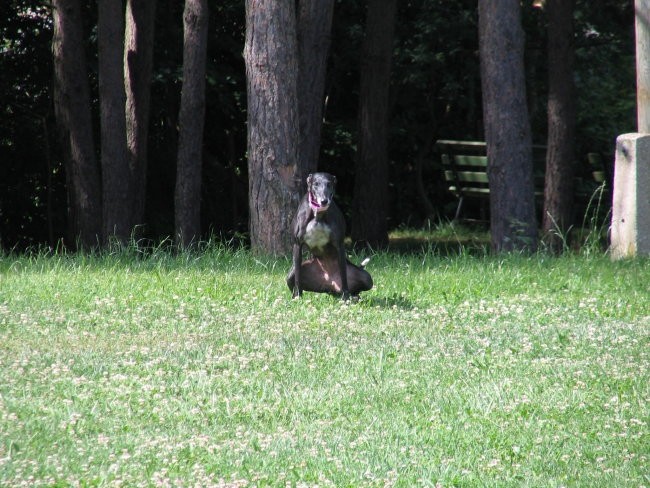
630	231
631	203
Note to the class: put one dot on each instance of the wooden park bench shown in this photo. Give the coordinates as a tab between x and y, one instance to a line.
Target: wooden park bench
465	169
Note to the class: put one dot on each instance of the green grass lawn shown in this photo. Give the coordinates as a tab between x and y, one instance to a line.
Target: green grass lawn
199	370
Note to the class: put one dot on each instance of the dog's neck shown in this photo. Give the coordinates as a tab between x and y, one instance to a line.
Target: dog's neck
318	215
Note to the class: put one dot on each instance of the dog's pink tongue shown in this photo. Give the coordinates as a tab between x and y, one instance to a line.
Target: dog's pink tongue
315	205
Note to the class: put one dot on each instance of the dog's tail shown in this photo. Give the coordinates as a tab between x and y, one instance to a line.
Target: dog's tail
364	263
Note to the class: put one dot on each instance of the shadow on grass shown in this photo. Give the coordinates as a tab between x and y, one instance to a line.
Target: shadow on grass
438	247
443	240
393	301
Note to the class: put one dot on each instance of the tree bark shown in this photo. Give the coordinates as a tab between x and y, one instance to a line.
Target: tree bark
558	184
72	109
187	210
138	61
314	31
507	127
116	179
370	204
271	57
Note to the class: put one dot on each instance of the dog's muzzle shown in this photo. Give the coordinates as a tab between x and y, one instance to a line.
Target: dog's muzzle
315	205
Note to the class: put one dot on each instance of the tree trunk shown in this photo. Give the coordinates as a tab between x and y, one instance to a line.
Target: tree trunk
187	210
138	60
116	180
370	204
72	108
314	31
558	185
507	128
271	56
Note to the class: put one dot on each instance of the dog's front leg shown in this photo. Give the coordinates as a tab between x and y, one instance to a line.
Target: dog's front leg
297	258
343	267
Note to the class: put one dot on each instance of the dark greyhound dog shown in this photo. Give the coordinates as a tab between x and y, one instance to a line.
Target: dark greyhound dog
320	225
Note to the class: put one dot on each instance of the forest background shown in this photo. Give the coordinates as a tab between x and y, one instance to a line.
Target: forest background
435	93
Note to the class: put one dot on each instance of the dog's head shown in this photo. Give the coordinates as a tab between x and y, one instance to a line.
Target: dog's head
320	191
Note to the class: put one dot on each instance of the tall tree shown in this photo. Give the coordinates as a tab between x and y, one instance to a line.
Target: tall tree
314	37
72	108
138	60
187	209
370	205
558	185
271	57
507	127
116	180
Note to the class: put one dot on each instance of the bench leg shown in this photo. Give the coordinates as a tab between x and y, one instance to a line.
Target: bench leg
460	205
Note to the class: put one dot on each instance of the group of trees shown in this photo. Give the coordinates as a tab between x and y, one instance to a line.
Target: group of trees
107	201
150	119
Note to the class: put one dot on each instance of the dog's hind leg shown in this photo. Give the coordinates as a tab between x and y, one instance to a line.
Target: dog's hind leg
358	279
321	275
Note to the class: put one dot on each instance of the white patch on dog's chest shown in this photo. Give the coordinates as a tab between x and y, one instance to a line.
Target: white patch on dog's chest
317	234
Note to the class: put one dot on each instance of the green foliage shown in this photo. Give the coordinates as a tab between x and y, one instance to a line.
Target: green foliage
128	369
607	105
28	168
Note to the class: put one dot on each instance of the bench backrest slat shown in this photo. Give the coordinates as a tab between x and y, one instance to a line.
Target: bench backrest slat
467	160
466	176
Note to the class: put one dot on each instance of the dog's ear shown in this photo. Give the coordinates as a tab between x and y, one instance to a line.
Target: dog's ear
334	181
309	178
